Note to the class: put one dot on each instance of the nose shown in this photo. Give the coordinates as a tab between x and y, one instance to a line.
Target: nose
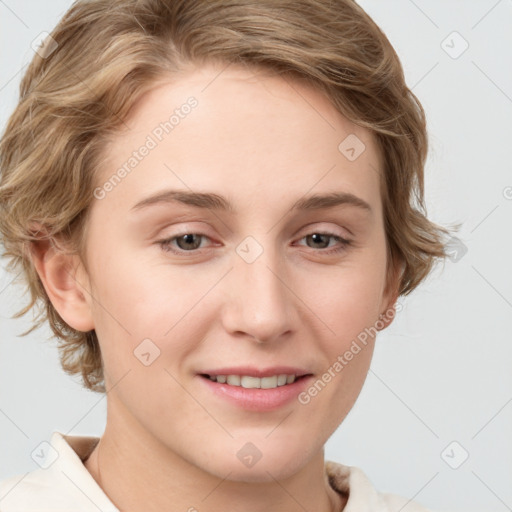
259	302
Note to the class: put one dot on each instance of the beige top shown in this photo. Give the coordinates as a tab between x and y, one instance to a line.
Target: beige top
63	484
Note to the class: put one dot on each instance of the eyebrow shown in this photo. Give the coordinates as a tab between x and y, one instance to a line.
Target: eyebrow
212	201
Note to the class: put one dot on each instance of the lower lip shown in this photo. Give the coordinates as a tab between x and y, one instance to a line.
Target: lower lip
256	399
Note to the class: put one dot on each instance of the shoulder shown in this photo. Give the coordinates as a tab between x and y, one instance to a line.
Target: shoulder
35	490
60	484
353	483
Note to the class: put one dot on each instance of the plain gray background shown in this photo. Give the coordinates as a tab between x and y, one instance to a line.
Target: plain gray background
440	386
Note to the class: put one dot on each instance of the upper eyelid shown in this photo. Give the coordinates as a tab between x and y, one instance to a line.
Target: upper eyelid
323	231
306	229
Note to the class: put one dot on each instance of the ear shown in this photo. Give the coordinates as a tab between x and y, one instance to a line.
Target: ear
390	295
65	281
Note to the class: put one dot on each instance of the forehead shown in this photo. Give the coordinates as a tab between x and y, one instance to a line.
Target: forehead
247	132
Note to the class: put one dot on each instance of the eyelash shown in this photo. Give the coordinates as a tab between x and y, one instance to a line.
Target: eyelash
166	244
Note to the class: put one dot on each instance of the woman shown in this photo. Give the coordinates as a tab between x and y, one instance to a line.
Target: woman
230	207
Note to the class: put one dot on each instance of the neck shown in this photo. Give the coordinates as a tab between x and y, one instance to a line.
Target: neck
137	474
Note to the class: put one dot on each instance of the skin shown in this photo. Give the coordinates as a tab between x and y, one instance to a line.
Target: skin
263	142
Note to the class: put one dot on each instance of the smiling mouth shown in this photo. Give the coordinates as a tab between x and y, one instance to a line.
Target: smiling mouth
249	382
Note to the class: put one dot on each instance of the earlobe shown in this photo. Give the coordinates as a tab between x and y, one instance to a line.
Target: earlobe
64	282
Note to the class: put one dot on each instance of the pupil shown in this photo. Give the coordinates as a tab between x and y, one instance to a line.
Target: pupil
315	235
189	239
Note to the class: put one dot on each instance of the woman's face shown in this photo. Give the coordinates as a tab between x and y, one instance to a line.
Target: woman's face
209	256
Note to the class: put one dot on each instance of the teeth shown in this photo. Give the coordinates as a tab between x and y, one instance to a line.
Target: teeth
233	380
246	381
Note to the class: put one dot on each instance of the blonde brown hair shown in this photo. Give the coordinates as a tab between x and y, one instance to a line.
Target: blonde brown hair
108	53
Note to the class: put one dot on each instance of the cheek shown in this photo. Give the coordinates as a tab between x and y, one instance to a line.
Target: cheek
354	304
350	308
135	301
350	299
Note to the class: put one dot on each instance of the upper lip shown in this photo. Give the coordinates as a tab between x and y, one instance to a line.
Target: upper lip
257	372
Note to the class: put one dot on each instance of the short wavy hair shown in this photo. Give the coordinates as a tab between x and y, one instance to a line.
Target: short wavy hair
105	54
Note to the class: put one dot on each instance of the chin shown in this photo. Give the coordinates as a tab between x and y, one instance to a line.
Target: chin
261	468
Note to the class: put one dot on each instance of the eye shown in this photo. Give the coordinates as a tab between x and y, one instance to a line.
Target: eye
187	242
191	242
323	237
